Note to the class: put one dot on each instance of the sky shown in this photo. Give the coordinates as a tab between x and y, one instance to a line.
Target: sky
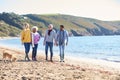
100	9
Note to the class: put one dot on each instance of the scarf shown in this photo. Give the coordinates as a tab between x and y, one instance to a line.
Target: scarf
49	32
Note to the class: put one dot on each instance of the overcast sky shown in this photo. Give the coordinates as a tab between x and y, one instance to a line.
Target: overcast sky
99	9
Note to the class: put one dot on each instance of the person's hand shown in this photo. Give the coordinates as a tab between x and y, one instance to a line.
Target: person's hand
33	45
66	43
56	44
22	43
43	43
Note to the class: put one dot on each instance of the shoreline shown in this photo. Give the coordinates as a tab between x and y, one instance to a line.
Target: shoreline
71	59
83	68
4	38
106	56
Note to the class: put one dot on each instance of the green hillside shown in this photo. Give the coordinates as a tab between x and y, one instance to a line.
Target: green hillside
11	24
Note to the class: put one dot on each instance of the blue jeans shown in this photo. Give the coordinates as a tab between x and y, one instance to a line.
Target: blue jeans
34	51
62	48
49	45
27	47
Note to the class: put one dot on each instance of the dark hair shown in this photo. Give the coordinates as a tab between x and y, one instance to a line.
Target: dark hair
62	26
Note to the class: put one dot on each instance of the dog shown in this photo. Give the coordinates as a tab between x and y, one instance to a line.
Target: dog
11	57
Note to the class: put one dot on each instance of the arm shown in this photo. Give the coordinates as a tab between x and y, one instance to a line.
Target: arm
39	37
32	39
56	38
66	37
54	35
22	36
45	38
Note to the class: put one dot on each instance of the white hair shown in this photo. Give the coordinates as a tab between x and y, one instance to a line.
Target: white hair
51	25
35	27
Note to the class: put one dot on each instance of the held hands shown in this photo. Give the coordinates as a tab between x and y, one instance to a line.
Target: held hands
56	43
43	43
33	46
66	43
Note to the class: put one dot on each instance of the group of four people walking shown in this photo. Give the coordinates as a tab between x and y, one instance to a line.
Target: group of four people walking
51	38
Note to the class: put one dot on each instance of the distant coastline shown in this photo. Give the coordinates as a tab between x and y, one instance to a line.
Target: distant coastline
11	24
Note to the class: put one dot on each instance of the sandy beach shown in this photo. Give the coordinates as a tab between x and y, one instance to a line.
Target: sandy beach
72	69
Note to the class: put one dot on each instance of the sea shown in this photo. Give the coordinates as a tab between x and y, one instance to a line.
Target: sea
94	47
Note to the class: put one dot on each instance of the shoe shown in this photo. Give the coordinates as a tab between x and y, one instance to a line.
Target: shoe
28	59
51	60
46	59
25	58
35	59
32	58
62	61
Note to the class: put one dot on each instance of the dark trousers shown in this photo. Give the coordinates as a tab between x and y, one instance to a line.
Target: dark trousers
34	51
27	49
49	45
